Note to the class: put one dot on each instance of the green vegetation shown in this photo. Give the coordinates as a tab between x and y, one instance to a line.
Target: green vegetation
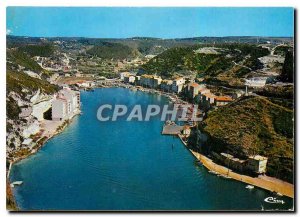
12	110
16	57
254	125
285	92
112	51
223	64
282	50
287	74
17	81
44	50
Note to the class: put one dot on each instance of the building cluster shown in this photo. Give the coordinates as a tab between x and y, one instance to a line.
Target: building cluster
193	90
85	84
255	164
66	104
59	62
203	94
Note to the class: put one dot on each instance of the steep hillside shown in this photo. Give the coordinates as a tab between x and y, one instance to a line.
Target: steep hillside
16	58
254	125
19	81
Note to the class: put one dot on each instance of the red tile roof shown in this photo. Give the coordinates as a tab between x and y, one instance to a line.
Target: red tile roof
224	98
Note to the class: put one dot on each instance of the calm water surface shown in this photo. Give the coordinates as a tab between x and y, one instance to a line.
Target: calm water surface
123	165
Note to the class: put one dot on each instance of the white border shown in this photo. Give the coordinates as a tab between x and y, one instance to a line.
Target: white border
139	3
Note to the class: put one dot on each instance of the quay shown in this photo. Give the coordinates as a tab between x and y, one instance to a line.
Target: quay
172	129
262	181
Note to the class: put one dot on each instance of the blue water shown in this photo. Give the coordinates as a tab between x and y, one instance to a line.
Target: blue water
123	165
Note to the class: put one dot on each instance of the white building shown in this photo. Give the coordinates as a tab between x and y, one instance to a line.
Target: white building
257	164
123	74
65	105
177	85
86	84
129	79
60	109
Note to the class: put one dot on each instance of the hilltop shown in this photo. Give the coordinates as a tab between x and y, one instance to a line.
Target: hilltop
254	125
109	50
221	62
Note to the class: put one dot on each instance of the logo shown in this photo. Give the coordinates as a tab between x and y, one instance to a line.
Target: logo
273	200
107	112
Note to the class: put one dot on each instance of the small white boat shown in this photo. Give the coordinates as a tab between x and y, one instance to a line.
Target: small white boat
16	183
249	186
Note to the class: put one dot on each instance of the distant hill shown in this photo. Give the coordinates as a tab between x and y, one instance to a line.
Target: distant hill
112	51
44	50
254	125
221	60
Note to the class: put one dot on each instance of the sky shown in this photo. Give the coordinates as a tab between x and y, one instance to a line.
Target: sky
126	22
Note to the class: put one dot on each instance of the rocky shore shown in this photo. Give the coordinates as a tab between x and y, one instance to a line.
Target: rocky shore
49	131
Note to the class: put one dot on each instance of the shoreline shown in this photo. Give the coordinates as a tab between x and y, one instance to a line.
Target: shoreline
272	185
267	183
9	191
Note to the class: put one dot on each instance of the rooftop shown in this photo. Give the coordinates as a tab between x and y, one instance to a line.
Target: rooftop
195	85
209	95
224	98
258	157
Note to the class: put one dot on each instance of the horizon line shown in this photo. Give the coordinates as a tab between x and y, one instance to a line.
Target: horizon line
133	37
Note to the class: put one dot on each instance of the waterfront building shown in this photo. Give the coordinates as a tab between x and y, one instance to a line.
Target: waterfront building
85	84
60	108
123	74
151	81
145	80
186	131
129	79
230	161
177	84
257	164
166	85
65	104
137	79
156	81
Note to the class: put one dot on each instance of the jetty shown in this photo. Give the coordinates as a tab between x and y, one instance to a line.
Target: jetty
262	181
